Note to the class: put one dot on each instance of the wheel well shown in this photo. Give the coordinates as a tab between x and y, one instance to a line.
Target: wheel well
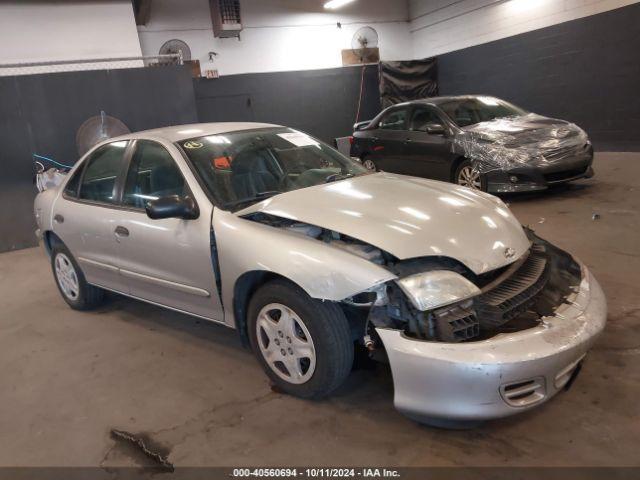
454	166
243	290
50	240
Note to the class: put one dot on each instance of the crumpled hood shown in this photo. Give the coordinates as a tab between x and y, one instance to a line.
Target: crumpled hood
409	217
531	138
525	130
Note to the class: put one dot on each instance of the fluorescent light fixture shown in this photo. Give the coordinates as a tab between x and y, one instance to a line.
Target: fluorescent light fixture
333	4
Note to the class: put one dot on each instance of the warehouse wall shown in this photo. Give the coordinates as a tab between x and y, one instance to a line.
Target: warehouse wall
440	26
323	103
278	35
37	31
40	114
586	71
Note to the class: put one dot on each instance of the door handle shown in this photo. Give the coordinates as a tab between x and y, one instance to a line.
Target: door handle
121	231
58	218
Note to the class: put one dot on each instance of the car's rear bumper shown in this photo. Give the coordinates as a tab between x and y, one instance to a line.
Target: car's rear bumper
500	376
529	178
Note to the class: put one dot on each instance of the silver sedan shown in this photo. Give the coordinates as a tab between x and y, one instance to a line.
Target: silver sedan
310	256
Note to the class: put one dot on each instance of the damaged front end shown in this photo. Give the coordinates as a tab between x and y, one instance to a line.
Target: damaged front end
462	345
509	299
511	344
525	153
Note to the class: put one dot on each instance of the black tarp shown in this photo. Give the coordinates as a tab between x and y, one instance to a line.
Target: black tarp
408	80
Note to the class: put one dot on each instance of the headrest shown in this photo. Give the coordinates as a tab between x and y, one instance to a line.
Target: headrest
249	161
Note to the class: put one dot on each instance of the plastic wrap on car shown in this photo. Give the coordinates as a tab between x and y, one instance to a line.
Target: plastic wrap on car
50	178
506	143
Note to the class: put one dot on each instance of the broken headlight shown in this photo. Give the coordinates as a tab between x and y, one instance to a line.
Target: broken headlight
429	290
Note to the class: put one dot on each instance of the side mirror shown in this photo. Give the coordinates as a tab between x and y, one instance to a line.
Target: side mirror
172	206
361	125
435	129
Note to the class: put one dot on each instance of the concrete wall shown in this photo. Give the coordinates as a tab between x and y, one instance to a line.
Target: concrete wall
278	35
440	26
322	102
37	31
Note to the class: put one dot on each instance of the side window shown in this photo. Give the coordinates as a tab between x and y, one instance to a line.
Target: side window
394	120
421	117
153	174
101	173
72	186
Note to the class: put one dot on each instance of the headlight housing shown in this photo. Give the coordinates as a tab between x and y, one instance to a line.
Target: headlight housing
437	288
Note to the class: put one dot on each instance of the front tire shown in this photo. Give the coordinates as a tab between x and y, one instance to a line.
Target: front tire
466	176
304	345
73	287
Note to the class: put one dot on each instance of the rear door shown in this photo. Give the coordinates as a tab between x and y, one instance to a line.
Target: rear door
387	142
165	261
85	213
427	154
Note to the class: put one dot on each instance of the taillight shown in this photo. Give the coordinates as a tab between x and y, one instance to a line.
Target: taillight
351	140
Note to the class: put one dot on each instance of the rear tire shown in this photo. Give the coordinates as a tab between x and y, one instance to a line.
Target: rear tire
71	282
465	176
304	345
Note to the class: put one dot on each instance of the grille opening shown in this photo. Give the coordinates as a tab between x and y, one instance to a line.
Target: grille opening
516	294
518	391
524	393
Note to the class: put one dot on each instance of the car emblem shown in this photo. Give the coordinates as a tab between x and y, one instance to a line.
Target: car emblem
509	252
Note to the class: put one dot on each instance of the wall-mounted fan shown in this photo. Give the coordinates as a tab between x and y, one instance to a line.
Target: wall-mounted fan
364	47
174	47
364	38
96	129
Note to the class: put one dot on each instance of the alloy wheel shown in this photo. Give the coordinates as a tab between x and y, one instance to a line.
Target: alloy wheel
285	343
369	165
67	277
469	177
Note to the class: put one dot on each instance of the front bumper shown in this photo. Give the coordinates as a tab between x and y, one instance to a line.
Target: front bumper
501	376
531	178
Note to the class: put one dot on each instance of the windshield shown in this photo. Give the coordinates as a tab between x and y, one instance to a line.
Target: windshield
241	168
469	111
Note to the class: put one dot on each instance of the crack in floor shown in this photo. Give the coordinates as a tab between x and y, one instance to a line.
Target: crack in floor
144	444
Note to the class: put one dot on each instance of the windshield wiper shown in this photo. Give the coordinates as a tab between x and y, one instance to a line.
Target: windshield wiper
256	198
334	177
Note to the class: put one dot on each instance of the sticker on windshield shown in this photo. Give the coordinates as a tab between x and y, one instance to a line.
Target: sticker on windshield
191	145
299	139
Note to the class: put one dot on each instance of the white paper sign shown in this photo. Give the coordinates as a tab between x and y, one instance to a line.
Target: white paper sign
299	139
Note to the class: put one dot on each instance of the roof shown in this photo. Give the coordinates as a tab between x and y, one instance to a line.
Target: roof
182	132
438	100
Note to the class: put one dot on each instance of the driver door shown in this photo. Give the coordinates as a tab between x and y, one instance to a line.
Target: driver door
165	261
428	154
387	147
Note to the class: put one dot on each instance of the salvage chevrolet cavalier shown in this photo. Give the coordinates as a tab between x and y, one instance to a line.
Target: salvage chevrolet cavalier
307	254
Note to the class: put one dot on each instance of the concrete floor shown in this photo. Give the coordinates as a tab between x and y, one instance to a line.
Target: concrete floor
68	378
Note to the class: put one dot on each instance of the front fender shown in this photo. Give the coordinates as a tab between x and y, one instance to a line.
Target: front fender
323	271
